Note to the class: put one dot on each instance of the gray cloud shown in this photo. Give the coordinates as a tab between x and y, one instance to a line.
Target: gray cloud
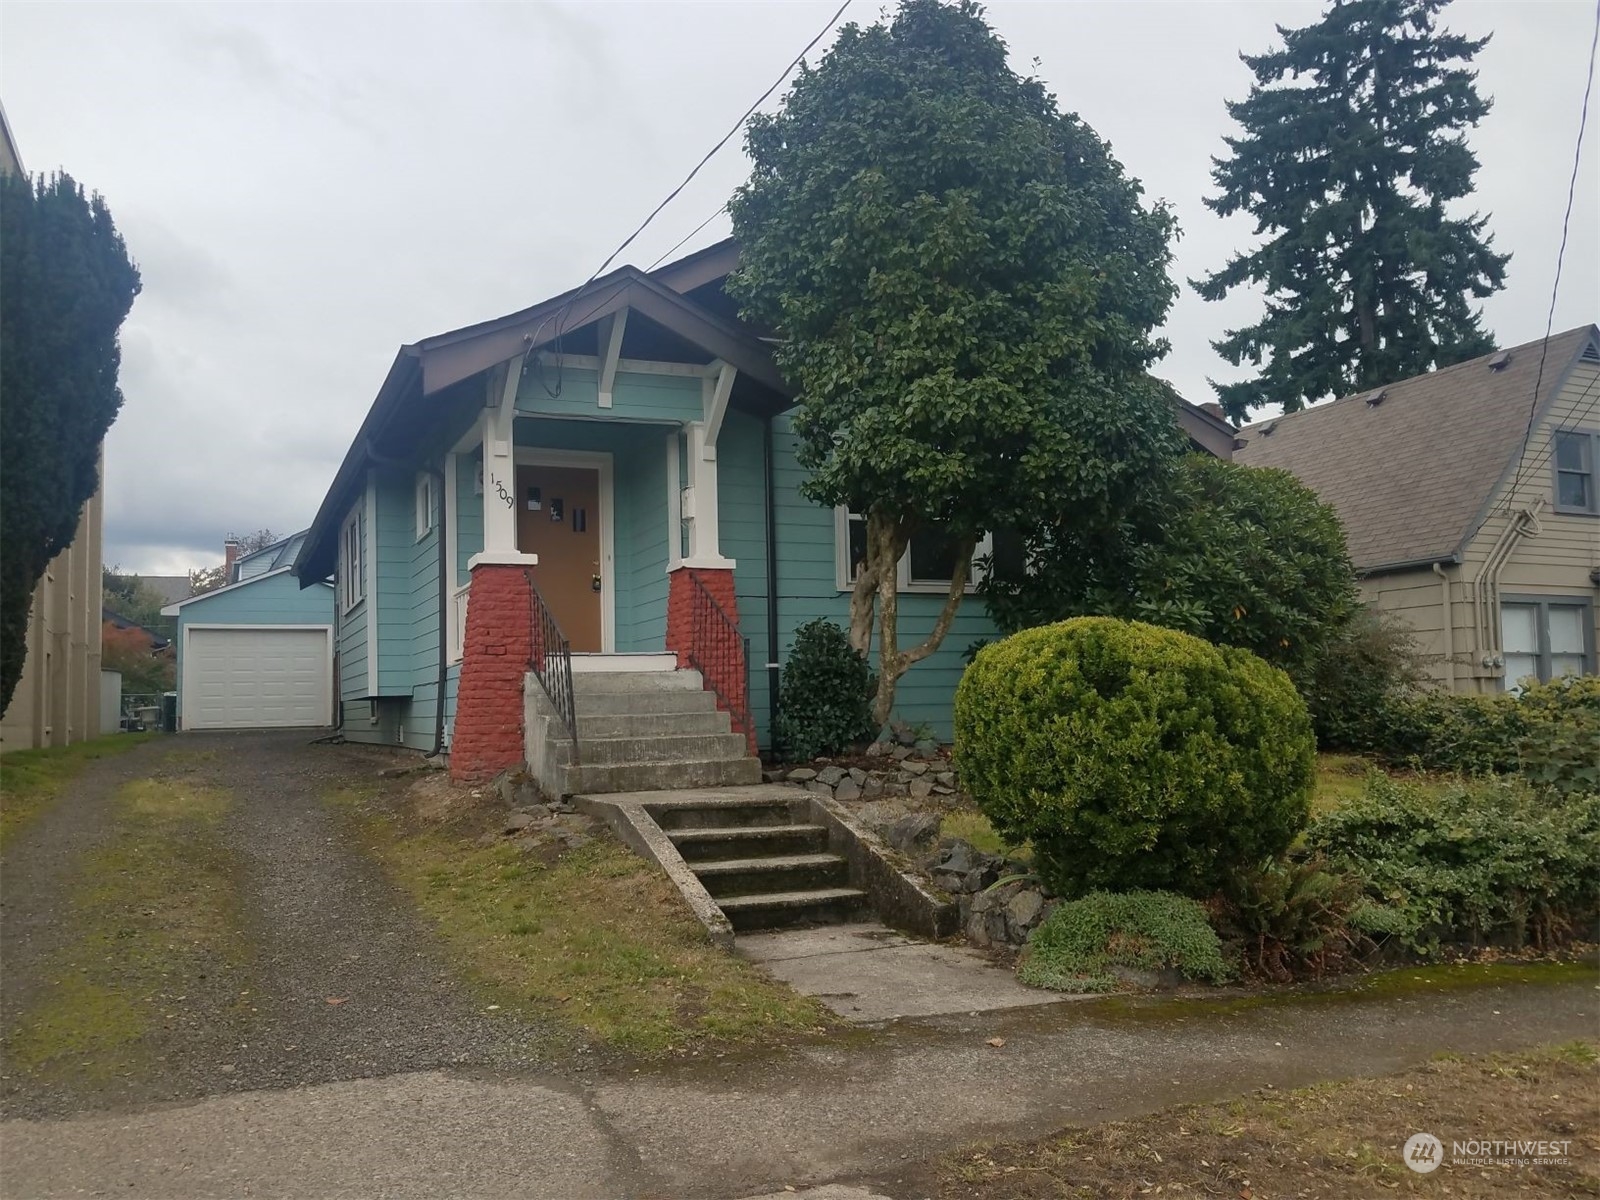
308	186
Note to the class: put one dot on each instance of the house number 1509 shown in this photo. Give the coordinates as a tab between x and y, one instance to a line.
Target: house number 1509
500	490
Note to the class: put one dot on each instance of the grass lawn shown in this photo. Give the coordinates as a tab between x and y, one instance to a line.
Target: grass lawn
595	937
1334	1140
31	779
156	908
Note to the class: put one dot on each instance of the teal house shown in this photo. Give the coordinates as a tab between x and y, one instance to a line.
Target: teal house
573	538
257	652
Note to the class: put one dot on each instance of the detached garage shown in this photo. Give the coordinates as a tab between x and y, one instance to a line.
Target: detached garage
257	654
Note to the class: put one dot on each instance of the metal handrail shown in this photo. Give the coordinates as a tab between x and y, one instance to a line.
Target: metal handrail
550	660
719	652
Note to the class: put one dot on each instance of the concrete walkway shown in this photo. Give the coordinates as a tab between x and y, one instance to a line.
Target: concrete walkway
867	973
728	1128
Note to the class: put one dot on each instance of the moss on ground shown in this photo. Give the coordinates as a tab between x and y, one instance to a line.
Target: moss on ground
595	938
156	908
31	780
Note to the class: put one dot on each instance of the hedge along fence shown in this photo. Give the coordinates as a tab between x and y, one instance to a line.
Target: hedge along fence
1133	756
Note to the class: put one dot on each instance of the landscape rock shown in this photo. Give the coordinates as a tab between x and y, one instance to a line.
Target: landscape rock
920	789
916	768
802	775
947	778
1022	913
940	790
847	789
857	774
831	775
516	821
820	788
913	833
873	786
877	749
900	753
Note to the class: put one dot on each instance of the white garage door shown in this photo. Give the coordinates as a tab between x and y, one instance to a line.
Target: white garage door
256	678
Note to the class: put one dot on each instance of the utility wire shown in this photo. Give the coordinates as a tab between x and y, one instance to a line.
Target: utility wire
725	139
1555	286
720	210
1582	408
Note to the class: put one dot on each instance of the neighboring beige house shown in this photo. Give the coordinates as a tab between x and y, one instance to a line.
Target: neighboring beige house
1471	505
57	700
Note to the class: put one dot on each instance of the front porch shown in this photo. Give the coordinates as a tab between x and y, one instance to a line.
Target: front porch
583	538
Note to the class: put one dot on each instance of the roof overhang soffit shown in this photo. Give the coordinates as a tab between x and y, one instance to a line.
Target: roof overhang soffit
455	360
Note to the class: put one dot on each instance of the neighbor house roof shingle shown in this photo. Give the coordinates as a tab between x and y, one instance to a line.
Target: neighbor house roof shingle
1410	476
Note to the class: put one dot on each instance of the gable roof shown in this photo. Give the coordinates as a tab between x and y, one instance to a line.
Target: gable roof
1412	474
171	588
269	558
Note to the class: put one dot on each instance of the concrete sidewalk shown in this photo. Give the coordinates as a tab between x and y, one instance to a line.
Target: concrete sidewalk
728	1128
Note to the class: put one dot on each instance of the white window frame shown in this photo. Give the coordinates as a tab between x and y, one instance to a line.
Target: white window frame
1593	472
1543	654
842	517
427	504
352	562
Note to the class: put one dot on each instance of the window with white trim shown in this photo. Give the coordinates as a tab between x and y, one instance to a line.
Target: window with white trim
352	562
427	504
1545	639
926	566
1573	459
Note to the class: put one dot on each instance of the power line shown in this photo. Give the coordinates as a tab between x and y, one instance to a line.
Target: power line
722	208
723	141
1582	408
1555	286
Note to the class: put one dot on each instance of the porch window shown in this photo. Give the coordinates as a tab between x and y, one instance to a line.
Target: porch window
926	566
1575	453
427	504
352	564
1546	639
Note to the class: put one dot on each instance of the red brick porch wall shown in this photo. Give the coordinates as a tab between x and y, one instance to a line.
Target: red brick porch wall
498	648
680	632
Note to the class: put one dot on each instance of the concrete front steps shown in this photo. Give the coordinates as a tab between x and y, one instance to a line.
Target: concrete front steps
646	727
763	863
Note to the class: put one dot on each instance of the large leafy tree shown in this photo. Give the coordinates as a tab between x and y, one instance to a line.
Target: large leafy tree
1241	556
1353	148
68	284
965	283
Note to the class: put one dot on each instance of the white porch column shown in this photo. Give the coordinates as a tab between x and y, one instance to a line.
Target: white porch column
700	506
499	464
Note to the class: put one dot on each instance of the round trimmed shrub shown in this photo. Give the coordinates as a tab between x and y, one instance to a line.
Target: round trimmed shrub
1133	756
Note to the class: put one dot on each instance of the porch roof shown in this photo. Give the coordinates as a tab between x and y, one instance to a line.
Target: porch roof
425	369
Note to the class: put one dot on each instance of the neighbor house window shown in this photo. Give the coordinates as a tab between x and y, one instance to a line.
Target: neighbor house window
1575	453
927	565
352	566
426	504
1545	639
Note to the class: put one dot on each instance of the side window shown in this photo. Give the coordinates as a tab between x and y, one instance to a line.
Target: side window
926	566
427	504
1575	452
352	568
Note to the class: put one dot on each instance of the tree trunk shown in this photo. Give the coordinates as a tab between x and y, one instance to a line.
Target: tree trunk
892	661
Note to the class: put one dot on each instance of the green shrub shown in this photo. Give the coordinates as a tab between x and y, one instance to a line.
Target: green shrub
1288	920
1133	756
1080	944
1492	861
1358	675
1560	746
824	695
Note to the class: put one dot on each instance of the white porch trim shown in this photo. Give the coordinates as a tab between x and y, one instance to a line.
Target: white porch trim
610	343
499	469
601	461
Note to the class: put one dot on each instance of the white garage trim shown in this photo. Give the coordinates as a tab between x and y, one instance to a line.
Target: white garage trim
324	711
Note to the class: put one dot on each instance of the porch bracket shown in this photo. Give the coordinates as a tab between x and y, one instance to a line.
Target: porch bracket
718	388
610	342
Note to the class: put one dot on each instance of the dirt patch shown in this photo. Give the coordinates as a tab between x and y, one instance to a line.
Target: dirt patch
1334	1140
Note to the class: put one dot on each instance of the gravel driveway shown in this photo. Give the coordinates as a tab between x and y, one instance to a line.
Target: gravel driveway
334	978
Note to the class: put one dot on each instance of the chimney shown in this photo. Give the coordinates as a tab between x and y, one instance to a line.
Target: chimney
1214	409
230	556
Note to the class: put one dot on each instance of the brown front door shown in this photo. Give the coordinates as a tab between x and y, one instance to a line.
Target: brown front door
558	518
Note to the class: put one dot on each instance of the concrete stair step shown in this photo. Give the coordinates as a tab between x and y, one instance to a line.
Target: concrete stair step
726	816
667	748
781	874
623	725
811	906
590	683
711	843
646	703
594	778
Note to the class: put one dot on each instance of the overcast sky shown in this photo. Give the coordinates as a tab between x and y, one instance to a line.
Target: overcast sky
306	187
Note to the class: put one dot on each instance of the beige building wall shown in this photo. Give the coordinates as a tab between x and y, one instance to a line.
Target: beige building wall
57	700
1544	553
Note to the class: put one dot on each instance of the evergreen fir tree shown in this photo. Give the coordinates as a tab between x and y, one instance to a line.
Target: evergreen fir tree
68	284
1353	146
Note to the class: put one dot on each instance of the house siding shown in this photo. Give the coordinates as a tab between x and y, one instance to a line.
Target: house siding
396	526
634	397
1557	561
264	600
352	632
807	578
